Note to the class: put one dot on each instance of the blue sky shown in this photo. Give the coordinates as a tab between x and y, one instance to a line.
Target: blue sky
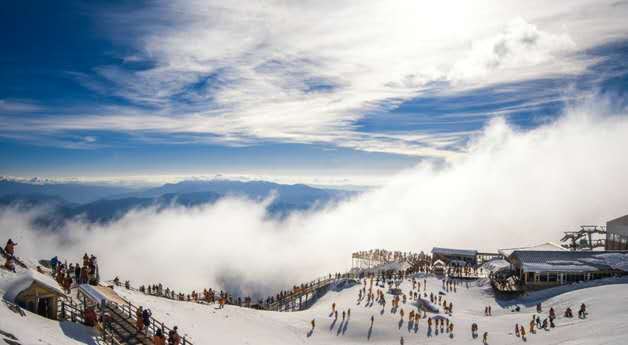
121	88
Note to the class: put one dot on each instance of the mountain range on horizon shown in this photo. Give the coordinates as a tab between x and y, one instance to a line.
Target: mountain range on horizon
60	202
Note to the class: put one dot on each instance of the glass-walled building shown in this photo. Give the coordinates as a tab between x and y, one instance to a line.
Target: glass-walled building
617	234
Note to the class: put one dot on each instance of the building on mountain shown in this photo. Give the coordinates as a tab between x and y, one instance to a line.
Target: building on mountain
617	234
37	293
439	267
537	269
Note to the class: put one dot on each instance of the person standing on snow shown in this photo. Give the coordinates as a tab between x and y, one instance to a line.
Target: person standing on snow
582	313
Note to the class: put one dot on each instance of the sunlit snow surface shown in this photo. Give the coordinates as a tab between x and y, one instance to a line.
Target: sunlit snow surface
606	302
204	324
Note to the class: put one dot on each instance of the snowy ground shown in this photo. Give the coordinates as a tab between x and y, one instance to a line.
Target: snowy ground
204	324
32	329
607	323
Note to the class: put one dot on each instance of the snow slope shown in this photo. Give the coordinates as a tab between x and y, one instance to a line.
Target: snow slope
204	324
607	304
32	329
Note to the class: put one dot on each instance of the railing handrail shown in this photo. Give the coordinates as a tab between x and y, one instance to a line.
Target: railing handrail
107	332
310	287
75	311
133	310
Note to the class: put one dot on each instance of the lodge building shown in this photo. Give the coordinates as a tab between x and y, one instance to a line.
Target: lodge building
541	269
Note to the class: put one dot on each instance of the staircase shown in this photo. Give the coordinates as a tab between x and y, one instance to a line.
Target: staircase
122	327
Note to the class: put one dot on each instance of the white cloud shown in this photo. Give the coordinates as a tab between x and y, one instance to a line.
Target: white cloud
521	45
512	189
306	72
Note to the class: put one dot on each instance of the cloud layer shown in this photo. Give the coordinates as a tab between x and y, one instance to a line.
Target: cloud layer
308	72
513	188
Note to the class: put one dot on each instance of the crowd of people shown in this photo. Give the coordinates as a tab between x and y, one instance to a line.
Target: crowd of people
143	319
74	274
222	298
373	291
382	256
545	323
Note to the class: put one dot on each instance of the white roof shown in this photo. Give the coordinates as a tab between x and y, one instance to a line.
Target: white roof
558	266
547	246
24	280
496	265
92	293
438	263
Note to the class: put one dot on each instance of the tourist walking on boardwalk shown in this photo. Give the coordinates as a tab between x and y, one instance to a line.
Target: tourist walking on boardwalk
146	315
158	338
139	322
173	336
485	338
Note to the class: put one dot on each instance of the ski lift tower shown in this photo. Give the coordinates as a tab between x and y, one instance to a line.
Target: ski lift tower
583	239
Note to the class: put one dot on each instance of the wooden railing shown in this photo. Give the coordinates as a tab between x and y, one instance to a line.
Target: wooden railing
155	324
107	335
72	311
288	301
69	310
281	304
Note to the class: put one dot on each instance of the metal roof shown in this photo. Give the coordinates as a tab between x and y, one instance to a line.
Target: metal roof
619	220
452	251
547	246
561	261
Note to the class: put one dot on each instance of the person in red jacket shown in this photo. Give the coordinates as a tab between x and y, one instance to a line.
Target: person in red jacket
10	248
158	338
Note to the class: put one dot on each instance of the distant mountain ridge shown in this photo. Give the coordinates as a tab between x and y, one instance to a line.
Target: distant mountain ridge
255	190
57	210
72	192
